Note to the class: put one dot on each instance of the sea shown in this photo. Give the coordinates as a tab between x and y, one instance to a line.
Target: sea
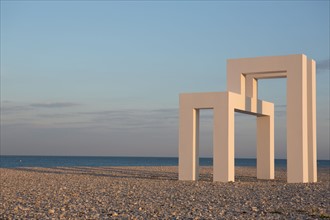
100	161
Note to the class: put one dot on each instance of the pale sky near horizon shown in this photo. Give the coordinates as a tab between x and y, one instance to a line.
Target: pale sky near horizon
102	78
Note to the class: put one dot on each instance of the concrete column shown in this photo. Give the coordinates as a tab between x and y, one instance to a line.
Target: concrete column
251	87
265	147
223	144
251	90
188	142
297	160
311	112
196	144
235	78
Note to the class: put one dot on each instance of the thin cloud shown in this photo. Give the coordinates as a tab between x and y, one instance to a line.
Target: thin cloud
11	107
54	105
116	119
280	113
56	115
134	113
14	109
134	118
166	110
323	66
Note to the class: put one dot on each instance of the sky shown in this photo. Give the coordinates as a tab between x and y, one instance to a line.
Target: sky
103	78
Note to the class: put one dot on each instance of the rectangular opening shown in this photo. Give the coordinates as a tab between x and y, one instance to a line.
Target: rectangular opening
205	137
274	90
245	139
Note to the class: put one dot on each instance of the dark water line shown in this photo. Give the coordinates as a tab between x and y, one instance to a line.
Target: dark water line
95	161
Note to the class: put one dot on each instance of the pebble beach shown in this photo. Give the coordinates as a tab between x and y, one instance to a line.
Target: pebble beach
156	193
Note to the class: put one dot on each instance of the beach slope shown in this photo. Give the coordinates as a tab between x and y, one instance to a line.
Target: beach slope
156	193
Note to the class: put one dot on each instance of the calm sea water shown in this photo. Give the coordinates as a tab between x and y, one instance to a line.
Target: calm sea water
67	161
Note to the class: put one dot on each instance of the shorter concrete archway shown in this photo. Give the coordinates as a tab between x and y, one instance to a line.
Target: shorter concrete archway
224	105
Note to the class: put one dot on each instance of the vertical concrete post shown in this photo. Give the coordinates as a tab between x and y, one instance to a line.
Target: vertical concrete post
311	124
196	144
265	147
251	90
223	144
188	142
251	87
297	142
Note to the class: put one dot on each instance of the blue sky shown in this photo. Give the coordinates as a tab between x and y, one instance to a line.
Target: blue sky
103	77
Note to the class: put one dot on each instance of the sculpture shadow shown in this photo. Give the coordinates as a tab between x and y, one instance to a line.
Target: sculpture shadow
112	172
149	173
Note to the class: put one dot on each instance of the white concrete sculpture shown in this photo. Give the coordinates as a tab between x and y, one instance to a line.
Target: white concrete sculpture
242	96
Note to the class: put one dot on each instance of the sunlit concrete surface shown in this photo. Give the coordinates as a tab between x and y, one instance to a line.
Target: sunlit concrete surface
242	96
